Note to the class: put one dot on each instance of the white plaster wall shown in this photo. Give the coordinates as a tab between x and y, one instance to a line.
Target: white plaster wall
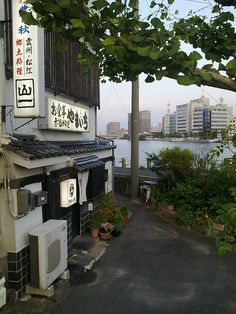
15	232
108	184
2	15
29	222
14	125
7	233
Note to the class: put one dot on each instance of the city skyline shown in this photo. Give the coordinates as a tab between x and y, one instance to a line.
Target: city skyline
153	97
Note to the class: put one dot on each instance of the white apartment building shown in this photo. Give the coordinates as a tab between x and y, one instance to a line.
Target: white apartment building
184	114
221	114
211	118
183	118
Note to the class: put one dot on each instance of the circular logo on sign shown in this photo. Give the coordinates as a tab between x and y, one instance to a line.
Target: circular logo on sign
72	189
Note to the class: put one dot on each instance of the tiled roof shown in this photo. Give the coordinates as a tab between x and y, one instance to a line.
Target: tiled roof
86	163
31	148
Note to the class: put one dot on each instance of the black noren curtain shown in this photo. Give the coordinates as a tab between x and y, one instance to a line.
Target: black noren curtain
96	182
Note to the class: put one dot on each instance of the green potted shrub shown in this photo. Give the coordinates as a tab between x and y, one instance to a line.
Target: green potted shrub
125	213
95	223
117	222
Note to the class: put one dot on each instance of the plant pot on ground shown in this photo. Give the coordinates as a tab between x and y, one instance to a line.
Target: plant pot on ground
106	230
95	224
125	214
117	227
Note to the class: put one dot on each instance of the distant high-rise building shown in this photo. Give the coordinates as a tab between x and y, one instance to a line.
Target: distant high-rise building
211	118
221	115
201	121
184	114
169	123
113	129
144	122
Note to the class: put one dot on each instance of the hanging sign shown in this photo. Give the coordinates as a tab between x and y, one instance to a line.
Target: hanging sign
28	65
66	117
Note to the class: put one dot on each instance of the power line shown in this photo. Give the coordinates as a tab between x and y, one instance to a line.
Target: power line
105	104
118	96
209	95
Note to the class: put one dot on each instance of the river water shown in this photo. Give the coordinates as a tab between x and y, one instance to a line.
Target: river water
123	149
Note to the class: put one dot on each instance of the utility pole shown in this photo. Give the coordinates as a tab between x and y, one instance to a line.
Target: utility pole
2	81
135	133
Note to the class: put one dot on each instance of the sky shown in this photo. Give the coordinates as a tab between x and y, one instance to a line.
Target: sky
116	98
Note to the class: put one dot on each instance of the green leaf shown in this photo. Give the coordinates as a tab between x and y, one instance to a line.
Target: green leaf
137	38
110	49
231	64
155	55
108	42
221	250
159	74
64	3
195	56
28	18
77	23
157	23
184	80
143	51
149	79
52	7
206	76
120	51
221	67
99	4
216	9
233	218
153	4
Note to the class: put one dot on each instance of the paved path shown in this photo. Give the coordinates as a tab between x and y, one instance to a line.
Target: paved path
156	268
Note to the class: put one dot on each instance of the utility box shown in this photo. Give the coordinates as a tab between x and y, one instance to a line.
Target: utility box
40	198
68	193
23	201
48	252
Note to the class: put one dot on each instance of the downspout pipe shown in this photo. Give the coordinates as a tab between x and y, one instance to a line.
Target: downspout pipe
2	81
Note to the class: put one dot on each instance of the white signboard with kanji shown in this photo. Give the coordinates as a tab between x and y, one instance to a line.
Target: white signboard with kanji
67	117
28	65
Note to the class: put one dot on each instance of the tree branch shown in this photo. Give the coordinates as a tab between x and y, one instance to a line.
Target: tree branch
226	3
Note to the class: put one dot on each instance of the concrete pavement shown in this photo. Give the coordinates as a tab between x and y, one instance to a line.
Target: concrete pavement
153	267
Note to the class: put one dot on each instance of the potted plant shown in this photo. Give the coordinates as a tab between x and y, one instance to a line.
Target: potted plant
125	213
117	222
95	224
105	230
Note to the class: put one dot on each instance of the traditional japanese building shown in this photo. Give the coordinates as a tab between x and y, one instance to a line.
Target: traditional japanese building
52	164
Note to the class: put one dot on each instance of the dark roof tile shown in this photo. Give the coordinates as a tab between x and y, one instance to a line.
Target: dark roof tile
32	148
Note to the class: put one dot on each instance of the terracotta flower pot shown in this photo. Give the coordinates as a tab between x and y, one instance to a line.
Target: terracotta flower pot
126	220
105	235
94	233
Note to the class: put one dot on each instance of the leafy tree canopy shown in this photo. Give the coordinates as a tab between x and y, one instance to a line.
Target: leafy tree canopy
126	45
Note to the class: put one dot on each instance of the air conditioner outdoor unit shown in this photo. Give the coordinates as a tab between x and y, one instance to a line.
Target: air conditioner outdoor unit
68	194
48	252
